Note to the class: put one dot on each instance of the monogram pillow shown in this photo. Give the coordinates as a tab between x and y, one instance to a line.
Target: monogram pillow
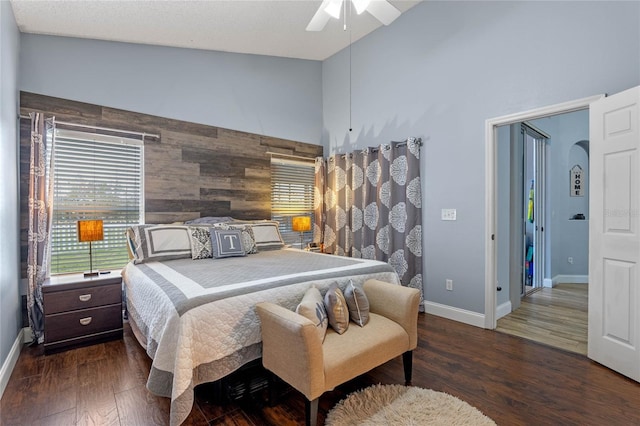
248	239
226	243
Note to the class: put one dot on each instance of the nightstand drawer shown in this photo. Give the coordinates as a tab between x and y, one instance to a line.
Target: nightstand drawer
82	298
83	322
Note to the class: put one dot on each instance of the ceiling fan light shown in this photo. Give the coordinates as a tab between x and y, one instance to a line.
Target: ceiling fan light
333	8
361	5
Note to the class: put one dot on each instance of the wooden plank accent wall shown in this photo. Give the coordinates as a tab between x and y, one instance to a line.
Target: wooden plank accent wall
193	170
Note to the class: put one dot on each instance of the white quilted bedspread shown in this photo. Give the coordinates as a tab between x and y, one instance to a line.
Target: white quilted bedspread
197	317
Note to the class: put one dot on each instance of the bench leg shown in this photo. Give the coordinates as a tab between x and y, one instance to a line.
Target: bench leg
274	390
407	361
311	410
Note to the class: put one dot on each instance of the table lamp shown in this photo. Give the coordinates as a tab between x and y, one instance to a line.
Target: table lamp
301	224
88	231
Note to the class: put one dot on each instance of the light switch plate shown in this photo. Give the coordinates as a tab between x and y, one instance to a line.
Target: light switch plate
448	214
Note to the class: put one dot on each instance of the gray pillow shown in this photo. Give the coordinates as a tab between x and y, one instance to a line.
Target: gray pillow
226	243
337	309
358	304
248	239
209	220
312	307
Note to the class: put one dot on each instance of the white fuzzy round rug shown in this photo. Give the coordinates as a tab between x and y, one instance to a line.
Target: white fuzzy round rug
383	405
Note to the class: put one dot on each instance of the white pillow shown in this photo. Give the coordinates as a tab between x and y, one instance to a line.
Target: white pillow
312	308
267	235
161	242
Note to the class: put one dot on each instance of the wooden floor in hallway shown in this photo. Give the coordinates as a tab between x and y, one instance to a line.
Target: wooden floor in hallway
554	316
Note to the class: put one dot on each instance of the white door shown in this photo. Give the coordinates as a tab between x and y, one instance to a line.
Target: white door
614	233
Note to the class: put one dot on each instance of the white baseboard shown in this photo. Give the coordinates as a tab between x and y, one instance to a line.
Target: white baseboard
503	309
547	282
10	362
572	279
456	314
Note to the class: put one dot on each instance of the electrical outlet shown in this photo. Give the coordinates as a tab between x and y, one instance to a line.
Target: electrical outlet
570	260
449	284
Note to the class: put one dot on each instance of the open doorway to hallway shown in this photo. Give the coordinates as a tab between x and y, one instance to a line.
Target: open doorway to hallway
542	229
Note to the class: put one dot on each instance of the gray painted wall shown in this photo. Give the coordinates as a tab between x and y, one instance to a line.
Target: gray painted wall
440	71
269	96
10	312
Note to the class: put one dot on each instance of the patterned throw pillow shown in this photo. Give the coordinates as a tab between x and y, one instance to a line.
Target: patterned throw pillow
358	304
226	243
312	307
337	309
200	243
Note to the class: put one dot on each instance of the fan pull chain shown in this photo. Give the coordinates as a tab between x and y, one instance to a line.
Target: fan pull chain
350	74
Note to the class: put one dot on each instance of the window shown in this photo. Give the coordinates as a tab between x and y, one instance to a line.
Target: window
94	177
292	188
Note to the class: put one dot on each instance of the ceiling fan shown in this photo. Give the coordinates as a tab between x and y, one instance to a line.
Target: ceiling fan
384	11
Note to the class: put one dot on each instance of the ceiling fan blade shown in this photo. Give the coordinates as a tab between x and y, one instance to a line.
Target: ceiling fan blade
320	19
384	11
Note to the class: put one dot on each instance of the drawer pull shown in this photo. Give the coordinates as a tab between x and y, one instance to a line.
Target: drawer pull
85	321
84	297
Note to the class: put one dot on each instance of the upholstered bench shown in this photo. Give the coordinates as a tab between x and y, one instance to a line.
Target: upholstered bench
293	351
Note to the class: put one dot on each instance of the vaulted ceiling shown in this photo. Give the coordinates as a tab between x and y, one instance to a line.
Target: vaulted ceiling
263	27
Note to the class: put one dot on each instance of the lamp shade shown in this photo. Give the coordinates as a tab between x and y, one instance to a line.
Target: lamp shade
90	230
301	223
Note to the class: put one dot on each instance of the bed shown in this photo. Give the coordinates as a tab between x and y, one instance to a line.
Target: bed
196	318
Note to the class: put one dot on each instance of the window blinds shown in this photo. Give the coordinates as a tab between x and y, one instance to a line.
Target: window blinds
292	189
94	177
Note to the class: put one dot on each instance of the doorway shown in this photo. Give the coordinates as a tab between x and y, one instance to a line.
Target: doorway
552	312
494	289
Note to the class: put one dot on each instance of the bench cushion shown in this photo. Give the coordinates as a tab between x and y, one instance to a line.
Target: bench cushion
360	349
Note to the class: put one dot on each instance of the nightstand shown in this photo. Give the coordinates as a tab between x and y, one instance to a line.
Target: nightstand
80	311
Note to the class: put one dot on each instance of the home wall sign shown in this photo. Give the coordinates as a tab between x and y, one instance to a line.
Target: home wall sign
575	181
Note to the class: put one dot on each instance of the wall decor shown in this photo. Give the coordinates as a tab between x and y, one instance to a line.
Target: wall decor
575	182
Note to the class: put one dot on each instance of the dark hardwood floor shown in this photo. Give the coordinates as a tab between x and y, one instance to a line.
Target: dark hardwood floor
512	380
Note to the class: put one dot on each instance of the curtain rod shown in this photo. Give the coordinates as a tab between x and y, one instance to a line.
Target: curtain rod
392	144
299	157
106	129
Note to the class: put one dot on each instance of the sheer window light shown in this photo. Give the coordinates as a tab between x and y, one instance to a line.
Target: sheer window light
95	177
292	192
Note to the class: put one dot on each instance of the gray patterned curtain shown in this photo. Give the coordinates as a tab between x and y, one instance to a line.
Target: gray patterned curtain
318	201
40	205
373	207
338	200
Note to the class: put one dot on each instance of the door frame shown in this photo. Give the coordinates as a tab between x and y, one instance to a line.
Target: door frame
491	190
